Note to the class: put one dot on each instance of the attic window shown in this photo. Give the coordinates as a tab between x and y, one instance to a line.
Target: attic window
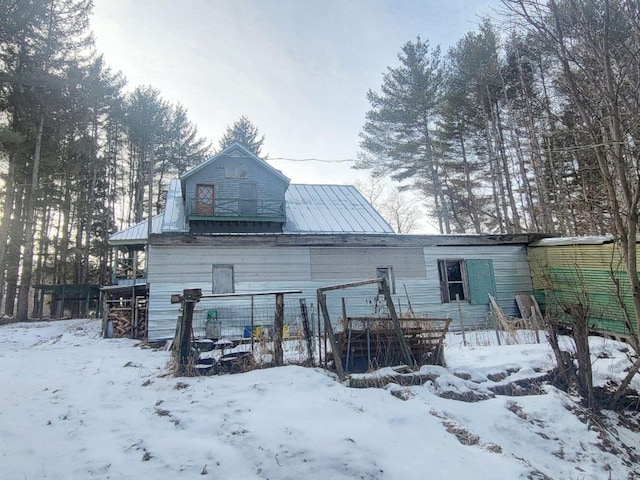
235	171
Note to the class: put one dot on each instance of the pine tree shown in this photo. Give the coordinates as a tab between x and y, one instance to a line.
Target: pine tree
244	132
398	136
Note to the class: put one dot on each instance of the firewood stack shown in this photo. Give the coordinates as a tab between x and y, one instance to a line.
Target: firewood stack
122	322
127	322
141	327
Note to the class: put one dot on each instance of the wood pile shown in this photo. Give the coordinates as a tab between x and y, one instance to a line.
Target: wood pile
121	321
127	321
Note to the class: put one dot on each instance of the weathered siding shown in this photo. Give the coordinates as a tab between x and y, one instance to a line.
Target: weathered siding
591	275
511	273
269	185
267	268
357	263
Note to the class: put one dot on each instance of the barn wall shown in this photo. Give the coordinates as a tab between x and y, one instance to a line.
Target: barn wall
173	268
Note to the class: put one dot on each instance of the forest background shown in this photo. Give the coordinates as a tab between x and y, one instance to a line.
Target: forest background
528	124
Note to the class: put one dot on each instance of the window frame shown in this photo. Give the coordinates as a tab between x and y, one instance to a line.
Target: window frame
204	205
213	277
235	171
445	283
390	277
248	204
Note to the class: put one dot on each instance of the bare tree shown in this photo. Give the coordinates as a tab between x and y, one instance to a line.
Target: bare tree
396	205
596	45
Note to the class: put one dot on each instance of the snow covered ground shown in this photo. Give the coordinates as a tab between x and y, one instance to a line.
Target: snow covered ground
75	406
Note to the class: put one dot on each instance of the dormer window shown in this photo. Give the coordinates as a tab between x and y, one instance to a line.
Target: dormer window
235	171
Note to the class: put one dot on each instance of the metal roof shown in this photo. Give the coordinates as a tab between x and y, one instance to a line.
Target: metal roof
587	240
318	209
331	209
174	219
137	234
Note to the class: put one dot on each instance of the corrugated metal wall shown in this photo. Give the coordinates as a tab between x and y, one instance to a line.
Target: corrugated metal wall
269	268
592	275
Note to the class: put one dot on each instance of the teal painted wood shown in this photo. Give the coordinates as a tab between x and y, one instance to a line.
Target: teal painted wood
481	280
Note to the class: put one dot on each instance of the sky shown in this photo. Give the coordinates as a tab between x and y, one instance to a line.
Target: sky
76	406
299	69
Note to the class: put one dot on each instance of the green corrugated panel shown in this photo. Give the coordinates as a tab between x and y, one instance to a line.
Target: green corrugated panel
585	274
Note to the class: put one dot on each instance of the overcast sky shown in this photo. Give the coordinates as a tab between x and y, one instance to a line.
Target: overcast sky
299	69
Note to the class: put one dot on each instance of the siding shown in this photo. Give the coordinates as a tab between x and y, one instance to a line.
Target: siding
269	186
262	268
593	275
357	263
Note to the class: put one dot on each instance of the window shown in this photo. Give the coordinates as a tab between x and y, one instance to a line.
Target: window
452	280
472	280
205	195
387	274
235	171
222	279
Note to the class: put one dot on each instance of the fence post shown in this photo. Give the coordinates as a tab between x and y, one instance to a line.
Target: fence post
278	326
189	299
404	348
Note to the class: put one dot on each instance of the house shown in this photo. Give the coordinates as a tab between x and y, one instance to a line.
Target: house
236	224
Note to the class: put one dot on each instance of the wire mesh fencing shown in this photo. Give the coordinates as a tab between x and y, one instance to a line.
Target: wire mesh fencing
238	333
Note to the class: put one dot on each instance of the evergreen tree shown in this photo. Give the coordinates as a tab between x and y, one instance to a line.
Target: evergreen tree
244	132
397	137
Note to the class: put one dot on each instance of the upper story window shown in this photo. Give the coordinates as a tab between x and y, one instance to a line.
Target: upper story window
248	199
235	171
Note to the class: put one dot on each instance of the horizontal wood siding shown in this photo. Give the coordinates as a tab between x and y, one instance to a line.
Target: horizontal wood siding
173	268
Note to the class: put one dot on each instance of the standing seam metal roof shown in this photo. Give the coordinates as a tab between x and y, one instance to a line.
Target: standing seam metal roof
318	209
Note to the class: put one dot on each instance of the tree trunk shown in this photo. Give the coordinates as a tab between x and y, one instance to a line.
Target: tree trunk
22	314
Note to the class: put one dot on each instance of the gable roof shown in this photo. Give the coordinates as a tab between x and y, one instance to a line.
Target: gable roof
234	150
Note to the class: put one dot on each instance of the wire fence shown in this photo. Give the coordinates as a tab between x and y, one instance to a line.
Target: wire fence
237	333
234	334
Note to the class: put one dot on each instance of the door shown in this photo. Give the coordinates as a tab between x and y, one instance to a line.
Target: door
205	195
248	199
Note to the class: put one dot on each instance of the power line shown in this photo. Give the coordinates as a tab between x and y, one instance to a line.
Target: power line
322	160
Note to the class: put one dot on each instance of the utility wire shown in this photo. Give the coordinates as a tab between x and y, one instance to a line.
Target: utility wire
319	160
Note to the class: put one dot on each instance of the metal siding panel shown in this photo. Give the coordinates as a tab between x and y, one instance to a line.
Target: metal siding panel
285	268
351	264
581	273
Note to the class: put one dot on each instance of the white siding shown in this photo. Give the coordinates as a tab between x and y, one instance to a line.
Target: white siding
269	268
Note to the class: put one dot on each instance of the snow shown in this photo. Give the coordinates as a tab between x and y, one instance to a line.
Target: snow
73	405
